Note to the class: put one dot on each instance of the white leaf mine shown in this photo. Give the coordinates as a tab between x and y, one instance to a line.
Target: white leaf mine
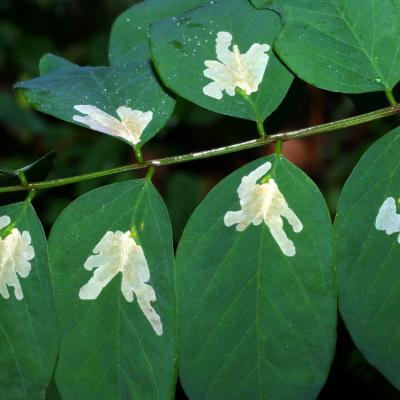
387	219
118	252
264	203
129	127
233	69
16	252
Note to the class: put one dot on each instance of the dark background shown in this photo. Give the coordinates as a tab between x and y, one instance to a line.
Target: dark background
79	30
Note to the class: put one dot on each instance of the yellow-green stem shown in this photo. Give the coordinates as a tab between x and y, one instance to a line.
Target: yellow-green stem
138	154
150	172
391	98
278	147
261	129
22	178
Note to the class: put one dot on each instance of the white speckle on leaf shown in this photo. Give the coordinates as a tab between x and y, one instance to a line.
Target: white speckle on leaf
16	253
387	219
264	202
118	252
233	69
130	127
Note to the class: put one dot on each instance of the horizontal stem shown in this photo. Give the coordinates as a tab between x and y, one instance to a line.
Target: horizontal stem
300	133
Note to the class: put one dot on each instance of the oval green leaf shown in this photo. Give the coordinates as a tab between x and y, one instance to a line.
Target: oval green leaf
342	46
181	45
106	88
109	348
255	323
28	328
369	270
129	34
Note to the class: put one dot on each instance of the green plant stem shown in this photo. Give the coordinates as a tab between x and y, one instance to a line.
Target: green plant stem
314	130
150	172
138	154
278	147
259	121
22	178
390	97
31	196
261	129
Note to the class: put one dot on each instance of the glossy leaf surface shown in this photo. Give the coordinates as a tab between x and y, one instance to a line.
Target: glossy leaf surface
129	34
106	88
28	327
109	349
254	323
368	271
181	45
340	45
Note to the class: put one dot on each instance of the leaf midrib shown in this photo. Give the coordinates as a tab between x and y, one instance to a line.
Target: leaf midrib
132	213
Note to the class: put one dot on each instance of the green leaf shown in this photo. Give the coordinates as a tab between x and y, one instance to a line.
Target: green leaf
368	272
181	45
107	88
254	323
51	63
109	349
129	34
28	328
343	46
